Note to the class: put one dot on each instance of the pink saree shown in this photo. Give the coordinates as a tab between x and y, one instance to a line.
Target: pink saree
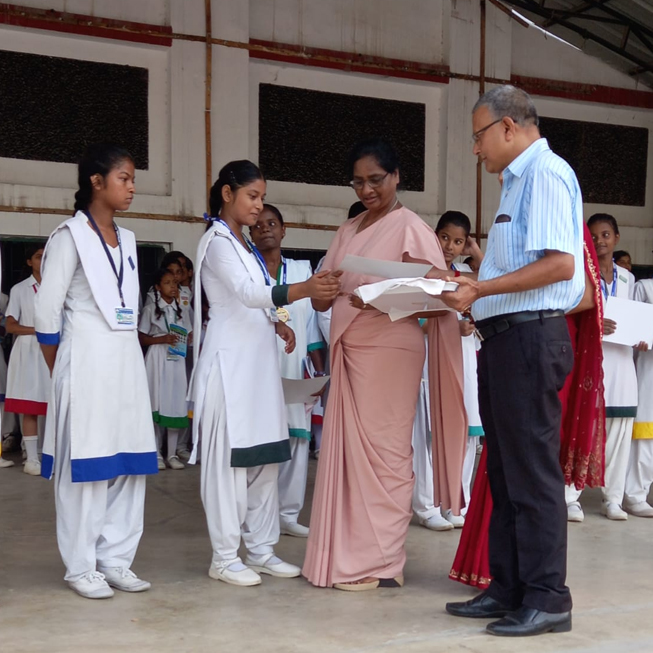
362	502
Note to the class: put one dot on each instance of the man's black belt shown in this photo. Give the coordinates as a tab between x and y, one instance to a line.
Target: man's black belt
493	326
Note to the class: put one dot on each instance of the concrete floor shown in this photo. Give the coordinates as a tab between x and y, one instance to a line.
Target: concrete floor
610	574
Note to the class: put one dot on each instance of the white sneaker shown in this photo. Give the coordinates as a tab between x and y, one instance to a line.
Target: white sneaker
294	529
436	523
91	586
458	521
160	462
613	511
183	455
32	467
175	463
641	509
124	579
4	463
575	512
270	564
234	572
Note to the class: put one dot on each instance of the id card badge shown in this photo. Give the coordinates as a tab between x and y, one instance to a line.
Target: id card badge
125	316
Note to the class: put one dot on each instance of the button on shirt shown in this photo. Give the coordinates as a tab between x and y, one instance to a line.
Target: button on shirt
541	209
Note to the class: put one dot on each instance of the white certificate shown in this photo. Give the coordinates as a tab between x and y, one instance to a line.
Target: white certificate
634	321
384	269
301	391
400	298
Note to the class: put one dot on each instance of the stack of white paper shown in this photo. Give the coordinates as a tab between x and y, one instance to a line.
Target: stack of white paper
383	269
302	391
400	298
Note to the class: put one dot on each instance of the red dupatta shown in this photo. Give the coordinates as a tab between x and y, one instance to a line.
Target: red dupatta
582	446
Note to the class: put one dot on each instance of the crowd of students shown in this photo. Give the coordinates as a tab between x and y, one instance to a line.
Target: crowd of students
218	340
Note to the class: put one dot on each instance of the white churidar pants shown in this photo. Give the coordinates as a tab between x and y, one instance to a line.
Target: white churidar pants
292	481
640	472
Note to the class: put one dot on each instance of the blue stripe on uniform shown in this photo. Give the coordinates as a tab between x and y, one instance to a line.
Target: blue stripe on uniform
47	338
541	209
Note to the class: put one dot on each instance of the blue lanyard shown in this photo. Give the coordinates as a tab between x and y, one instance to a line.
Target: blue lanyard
604	285
119	274
252	250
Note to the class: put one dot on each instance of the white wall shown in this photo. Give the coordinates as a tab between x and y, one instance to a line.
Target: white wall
430	31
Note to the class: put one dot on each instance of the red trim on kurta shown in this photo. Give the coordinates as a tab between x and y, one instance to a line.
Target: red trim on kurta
584	92
350	62
61	21
25	407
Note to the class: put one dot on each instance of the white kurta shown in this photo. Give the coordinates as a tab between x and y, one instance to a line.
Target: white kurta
241	340
28	377
166	378
103	403
4	300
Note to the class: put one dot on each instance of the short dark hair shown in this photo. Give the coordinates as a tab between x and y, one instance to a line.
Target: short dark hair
455	218
172	257
620	253
604	217
382	151
275	210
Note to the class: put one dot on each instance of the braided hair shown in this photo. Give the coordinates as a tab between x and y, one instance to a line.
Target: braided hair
98	159
158	278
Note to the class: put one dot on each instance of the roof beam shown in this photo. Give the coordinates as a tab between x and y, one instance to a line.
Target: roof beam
530	5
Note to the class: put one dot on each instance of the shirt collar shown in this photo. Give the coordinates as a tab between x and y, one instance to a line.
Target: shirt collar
518	166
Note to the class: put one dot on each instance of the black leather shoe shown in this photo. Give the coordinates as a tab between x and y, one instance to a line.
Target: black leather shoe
480	607
529	621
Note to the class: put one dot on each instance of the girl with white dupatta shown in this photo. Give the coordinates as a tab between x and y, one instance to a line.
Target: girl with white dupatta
99	437
267	234
239	408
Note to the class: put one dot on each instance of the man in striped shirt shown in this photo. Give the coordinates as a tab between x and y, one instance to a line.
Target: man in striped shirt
531	275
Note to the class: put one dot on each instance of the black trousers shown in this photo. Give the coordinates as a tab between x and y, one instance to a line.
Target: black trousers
520	373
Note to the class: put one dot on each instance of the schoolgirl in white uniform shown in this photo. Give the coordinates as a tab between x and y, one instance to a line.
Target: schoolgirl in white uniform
267	234
4	300
28	377
166	371
453	232
236	388
620	379
639	476
99	440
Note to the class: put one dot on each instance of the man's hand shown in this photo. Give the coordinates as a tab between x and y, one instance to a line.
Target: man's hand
466	328
461	299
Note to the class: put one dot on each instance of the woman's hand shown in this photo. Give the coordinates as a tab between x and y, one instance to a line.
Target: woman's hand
466	328
609	326
325	285
356	302
287	335
642	346
436	273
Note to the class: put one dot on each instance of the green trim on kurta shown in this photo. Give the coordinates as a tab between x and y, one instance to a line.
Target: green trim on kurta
316	345
261	454
475	431
170	422
620	411
300	433
643	431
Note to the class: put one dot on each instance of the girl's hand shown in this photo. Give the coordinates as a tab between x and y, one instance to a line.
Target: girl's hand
466	328
642	346
287	335
472	249
436	273
169	339
356	302
324	285
609	326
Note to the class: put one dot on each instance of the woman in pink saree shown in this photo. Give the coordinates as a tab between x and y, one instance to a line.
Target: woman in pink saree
362	502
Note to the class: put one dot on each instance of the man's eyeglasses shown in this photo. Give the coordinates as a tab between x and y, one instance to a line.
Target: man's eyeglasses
476	136
372	182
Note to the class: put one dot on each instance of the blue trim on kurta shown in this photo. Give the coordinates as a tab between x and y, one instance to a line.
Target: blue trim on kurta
47	463
475	431
315	346
47	338
108	467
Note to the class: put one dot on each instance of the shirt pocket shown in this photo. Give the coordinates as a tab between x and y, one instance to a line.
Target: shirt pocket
503	245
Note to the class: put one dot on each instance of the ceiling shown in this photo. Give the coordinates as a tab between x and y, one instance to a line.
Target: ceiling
620	32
